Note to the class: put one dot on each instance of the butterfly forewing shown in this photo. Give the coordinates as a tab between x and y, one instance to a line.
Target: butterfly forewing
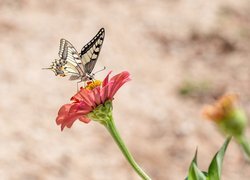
90	52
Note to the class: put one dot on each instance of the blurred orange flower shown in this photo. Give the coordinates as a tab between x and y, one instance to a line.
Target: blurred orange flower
230	118
88	98
220	108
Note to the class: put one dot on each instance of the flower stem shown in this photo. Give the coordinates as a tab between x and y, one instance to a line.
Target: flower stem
245	144
116	136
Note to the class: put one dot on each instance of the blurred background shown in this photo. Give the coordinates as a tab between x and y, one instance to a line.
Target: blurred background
181	54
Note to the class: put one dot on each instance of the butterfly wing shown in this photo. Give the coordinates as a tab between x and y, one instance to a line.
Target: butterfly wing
70	60
90	52
79	66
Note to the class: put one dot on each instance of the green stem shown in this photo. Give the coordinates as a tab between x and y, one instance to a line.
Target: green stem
116	136
245	144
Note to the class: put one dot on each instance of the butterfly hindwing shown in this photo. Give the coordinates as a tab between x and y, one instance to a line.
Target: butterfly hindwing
63	49
68	53
73	64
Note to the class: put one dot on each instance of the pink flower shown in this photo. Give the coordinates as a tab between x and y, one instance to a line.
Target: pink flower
89	97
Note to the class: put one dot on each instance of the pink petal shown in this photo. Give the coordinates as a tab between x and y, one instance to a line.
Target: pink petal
96	93
104	92
69	119
118	81
92	98
65	118
84	119
106	80
64	109
86	97
77	97
80	106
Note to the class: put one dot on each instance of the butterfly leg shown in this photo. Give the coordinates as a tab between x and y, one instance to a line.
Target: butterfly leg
78	86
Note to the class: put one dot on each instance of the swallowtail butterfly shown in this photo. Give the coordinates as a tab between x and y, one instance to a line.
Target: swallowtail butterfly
78	65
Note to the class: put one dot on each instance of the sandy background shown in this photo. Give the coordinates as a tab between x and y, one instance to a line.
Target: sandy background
163	44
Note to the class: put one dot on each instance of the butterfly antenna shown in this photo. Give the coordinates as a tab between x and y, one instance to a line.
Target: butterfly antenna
46	68
99	70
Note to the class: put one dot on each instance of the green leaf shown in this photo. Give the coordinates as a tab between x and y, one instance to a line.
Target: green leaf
214	170
194	173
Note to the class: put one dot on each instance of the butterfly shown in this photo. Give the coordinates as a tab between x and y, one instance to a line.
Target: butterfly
78	65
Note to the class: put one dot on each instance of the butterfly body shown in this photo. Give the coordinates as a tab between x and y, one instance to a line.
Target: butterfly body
78	65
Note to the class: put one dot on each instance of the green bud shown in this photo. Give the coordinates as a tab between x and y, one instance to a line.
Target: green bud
234	122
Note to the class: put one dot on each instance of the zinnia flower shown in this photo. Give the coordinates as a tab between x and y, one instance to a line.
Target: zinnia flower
89	98
94	102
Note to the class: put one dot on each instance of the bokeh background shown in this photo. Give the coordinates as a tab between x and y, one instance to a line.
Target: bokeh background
181	55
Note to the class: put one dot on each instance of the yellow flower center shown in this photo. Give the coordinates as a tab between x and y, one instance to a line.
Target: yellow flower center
93	84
